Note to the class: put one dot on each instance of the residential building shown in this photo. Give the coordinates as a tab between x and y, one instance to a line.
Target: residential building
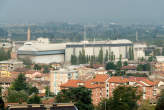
103	85
58	77
10	65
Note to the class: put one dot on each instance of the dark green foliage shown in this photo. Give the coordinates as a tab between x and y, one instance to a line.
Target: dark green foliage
111	56
81	96
119	65
1	104
0	90
32	90
124	98
92	61
82	59
125	63
160	103
20	90
46	69
47	91
34	99
101	57
20	83
131	53
106	56
151	58
73	60
37	67
144	67
17	96
110	65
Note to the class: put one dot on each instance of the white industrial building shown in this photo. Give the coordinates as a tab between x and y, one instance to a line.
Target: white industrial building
117	47
41	51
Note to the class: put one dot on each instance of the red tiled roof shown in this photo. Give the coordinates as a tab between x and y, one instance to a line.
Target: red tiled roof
151	83
94	83
118	79
100	78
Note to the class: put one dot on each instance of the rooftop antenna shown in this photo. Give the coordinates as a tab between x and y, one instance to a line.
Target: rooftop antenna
136	35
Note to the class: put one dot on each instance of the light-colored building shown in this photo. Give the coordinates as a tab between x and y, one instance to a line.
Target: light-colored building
59	77
10	65
41	51
139	50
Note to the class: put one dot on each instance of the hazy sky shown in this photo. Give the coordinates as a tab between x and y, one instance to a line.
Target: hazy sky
124	11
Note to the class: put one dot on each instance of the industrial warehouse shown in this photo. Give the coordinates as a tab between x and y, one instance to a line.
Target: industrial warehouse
42	51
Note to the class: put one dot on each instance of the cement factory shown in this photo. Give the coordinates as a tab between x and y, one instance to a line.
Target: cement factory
42	51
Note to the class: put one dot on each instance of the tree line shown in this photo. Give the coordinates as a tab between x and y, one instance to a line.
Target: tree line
100	59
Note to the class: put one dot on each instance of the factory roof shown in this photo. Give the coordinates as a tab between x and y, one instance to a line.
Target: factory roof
120	41
37	46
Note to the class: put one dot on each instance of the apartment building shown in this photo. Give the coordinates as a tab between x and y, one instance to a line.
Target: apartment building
103	85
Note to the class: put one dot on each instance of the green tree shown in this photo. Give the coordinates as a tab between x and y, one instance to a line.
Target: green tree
81	96
20	83
32	90
37	67
83	57
124	98
160	103
92	61
125	63
0	91
46	69
106	56
151	58
110	65
73	59
131	53
80	58
1	104
144	67
47	91
17	96
35	99
101	57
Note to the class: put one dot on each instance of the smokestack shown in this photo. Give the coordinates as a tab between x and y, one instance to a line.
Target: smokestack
28	34
136	35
